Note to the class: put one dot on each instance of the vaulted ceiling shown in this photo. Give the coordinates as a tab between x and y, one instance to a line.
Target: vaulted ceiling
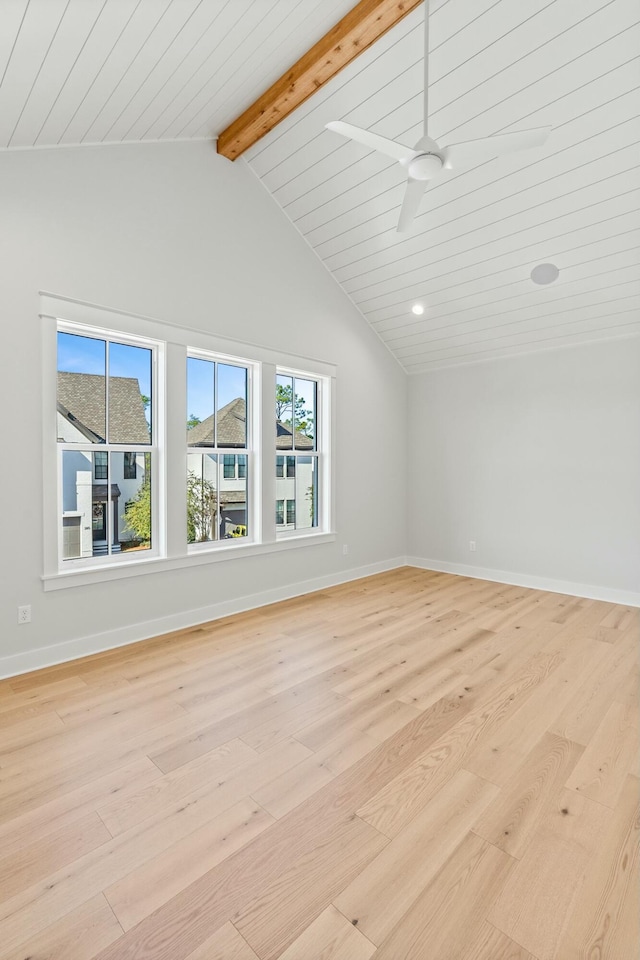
87	71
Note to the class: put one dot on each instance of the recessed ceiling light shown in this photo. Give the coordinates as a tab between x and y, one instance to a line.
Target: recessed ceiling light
418	309
545	273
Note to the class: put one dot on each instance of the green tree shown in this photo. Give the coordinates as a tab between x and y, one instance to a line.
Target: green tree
202	509
193	421
285	409
138	515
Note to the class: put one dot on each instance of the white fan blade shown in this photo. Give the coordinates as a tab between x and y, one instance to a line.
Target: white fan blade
471	152
412	196
389	147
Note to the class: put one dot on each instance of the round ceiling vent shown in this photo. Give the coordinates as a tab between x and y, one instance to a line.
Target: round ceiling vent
545	273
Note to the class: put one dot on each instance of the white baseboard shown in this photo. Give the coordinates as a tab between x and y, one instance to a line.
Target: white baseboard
28	660
587	590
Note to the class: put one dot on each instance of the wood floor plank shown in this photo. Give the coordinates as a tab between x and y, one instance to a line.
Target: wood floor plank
377	716
225	944
131	806
59	811
607	760
534	907
401	798
45	856
287	724
582	712
79	935
330	935
284	909
529	795
502	750
22	731
209	733
448	913
606	918
382	893
491	944
155	882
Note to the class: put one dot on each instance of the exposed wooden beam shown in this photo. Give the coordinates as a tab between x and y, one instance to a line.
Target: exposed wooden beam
367	22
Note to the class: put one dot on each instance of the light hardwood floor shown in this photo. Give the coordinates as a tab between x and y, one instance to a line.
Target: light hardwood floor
414	766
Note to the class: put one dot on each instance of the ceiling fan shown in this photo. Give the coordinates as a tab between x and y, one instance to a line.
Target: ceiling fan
428	159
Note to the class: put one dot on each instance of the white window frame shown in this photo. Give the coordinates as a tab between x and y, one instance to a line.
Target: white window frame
153	448
252	481
323	436
170	398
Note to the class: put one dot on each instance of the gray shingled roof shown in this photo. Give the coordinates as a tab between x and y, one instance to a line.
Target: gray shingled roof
232	427
81	400
284	435
228	497
232	420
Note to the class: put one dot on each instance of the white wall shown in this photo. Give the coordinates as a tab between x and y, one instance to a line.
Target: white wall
175	232
537	459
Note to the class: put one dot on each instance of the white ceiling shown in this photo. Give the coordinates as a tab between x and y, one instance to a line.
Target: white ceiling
87	71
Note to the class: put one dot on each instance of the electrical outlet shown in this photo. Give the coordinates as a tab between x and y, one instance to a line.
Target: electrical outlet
472	546
24	613
345	549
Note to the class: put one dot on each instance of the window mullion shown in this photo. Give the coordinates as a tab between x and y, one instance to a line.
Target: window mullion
268	447
176	450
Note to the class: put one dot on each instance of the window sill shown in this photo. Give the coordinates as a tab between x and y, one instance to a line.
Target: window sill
78	578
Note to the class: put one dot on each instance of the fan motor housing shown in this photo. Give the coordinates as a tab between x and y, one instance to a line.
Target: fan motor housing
425	166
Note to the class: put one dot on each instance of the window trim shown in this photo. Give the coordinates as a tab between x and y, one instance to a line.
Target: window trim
170	375
88	564
252	462
323	450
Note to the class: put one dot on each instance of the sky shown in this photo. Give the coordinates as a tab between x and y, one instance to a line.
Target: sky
85	355
78	354
200	386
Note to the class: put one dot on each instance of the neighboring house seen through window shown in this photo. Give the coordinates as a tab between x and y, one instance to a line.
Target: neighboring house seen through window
297	426
217	404
103	403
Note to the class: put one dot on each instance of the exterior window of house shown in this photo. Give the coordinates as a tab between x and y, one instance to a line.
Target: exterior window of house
104	404
279	512
100	466
297	472
130	466
216	429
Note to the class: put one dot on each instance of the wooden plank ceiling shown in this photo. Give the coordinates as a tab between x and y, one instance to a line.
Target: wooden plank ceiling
87	71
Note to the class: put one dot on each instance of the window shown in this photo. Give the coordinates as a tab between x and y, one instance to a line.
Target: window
123	495
229	466
100	466
217	420
296	430
104	390
130	471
